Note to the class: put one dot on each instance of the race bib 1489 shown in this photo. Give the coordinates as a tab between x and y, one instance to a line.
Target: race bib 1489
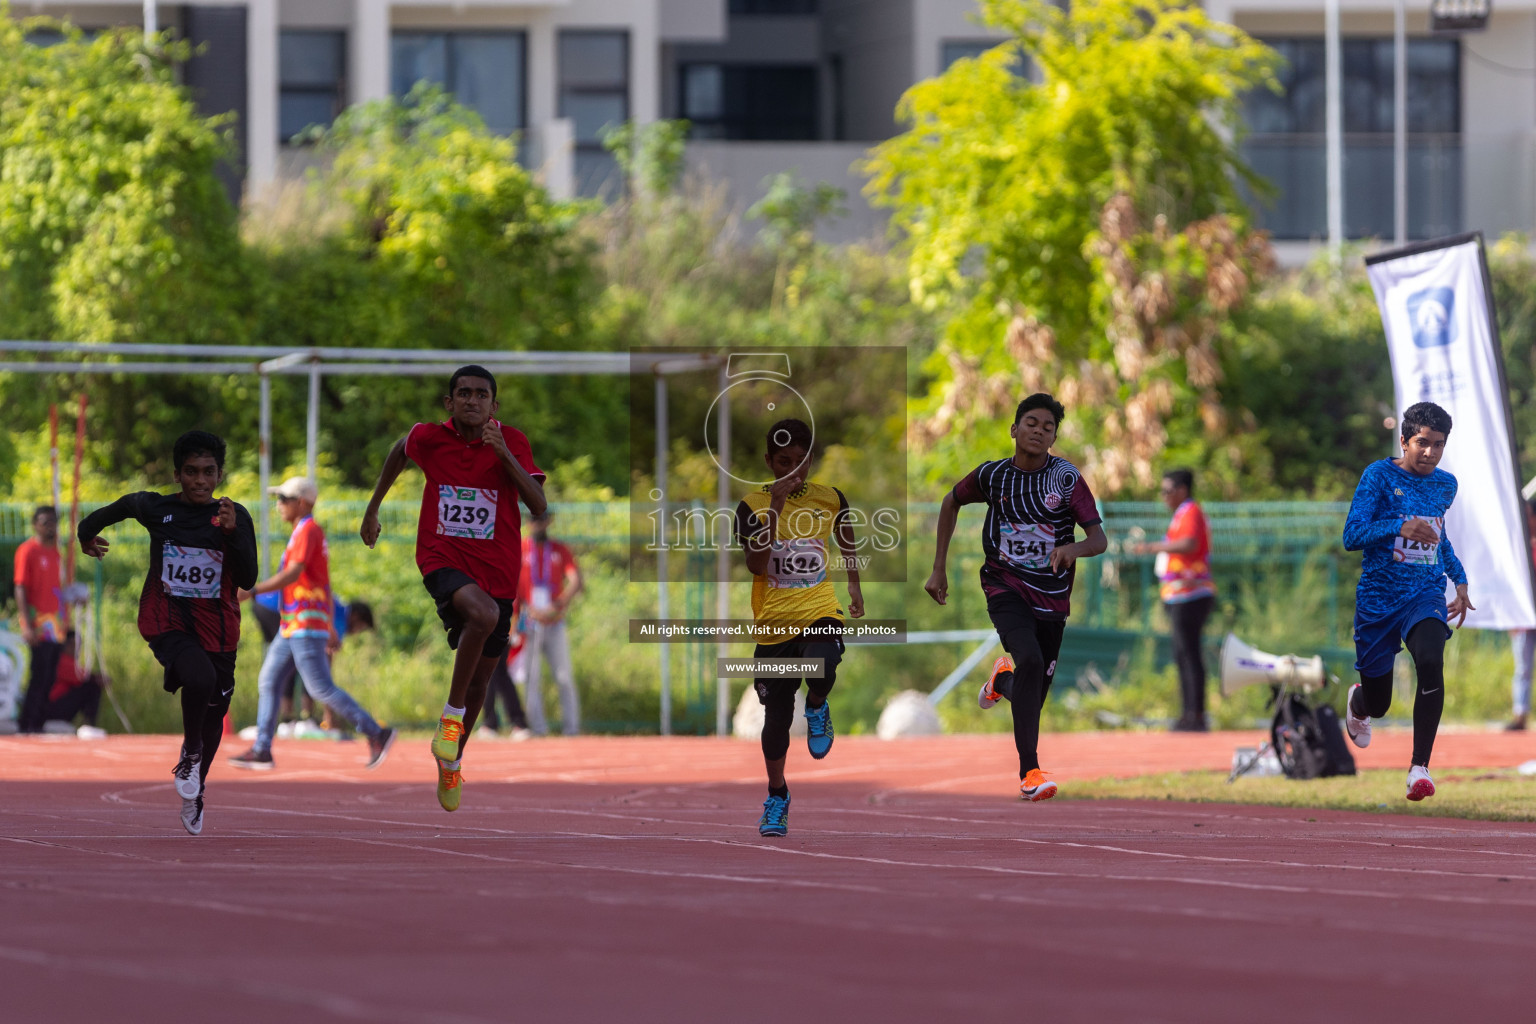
468	512
191	572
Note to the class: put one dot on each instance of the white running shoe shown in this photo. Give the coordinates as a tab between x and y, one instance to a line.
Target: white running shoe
192	816
90	732
188	777
1420	785
1359	729
519	735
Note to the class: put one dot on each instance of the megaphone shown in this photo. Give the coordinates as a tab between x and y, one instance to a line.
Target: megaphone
1242	666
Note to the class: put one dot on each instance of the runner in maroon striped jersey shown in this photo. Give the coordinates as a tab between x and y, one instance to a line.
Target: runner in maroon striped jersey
1035	501
202	552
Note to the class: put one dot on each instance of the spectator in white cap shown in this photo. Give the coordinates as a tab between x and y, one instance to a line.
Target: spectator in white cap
307	634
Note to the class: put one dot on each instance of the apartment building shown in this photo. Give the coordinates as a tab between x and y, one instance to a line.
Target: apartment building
1471	120
771	85
808	85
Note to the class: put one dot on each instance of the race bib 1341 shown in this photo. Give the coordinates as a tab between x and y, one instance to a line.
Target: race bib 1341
1027	545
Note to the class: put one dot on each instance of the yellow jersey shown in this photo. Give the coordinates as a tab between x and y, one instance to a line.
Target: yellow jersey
796	589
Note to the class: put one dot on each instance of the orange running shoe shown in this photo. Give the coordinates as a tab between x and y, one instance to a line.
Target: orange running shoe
445	744
989	695
1036	786
450	785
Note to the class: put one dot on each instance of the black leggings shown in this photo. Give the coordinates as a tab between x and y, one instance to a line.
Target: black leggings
500	684
1186	620
206	680
778	695
1426	643
1034	645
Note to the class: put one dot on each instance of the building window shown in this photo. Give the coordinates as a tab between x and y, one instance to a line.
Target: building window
772	7
594	94
485	71
1287	144
312	80
755	102
952	50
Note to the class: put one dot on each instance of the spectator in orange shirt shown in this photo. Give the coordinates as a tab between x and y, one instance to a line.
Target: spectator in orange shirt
40	612
1186	588
550	582
307	635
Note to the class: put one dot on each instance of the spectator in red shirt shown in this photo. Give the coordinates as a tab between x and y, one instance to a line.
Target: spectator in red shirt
1187	590
468	544
550	582
40	612
306	636
75	692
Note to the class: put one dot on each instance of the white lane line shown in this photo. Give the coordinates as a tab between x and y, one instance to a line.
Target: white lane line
265	990
1156	910
218	906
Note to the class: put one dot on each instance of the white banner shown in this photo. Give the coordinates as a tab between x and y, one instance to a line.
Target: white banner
1437	310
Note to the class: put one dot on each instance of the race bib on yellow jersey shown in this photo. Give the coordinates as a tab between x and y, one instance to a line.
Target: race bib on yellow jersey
1026	545
191	572
1416	552
797	563
467	512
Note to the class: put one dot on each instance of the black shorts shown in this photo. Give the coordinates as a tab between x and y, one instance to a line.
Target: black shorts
1010	612
168	647
442	584
768	686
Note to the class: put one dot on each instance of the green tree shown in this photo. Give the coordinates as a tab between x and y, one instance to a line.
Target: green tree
1043	216
113	223
419	229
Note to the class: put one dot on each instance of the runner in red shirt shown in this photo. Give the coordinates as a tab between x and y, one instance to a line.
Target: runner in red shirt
468	543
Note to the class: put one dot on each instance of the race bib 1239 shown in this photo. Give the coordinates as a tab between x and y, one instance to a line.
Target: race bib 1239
468	512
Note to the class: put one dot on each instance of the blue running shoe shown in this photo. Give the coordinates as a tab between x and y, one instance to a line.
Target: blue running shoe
818	729
775	820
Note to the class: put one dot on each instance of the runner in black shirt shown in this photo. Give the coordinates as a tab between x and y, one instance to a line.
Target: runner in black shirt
202	551
1035	502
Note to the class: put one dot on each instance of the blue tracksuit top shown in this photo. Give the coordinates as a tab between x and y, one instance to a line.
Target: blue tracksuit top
1397	571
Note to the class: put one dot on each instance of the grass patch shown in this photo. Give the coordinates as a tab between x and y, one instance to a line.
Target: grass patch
1491	794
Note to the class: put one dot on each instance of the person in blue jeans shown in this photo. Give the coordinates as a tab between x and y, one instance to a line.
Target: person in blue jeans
307	634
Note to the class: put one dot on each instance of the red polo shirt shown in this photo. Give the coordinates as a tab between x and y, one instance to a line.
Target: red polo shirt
37	574
470	518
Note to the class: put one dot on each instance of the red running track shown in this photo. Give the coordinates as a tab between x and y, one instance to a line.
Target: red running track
623	880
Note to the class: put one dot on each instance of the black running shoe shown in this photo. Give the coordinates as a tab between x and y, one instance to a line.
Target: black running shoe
257	760
378	747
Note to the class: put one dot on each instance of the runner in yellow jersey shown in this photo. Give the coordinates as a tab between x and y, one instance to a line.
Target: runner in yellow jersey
787	529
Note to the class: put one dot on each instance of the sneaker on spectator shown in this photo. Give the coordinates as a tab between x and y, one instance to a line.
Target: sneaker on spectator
90	732
258	760
378	747
519	734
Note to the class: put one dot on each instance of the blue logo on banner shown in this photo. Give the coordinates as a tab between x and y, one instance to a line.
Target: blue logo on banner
1430	313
